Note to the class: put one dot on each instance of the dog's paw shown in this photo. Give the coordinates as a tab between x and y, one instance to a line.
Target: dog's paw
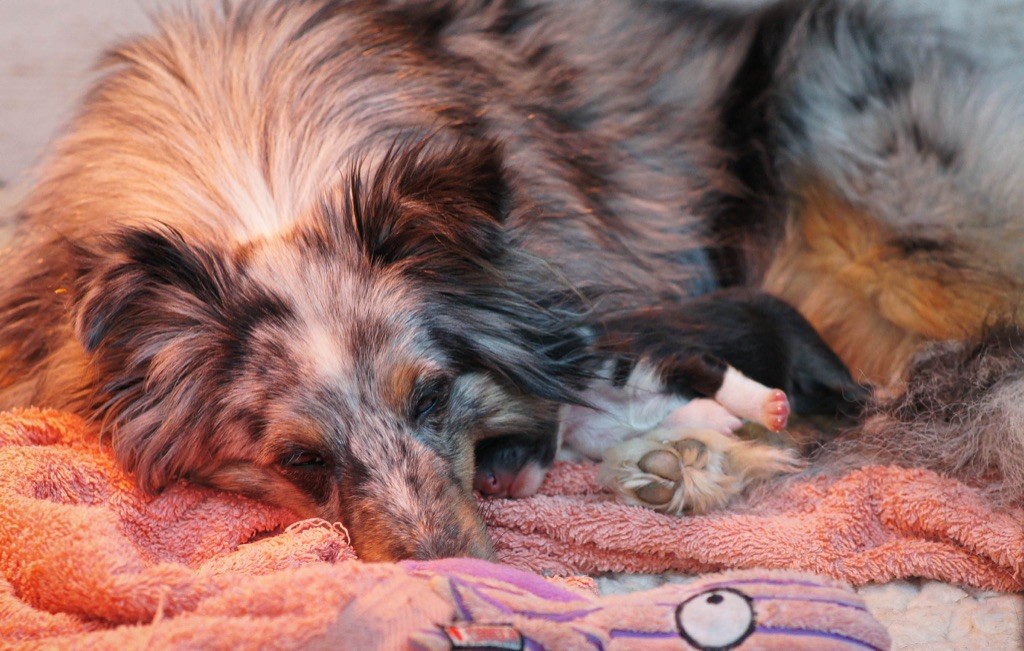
754	401
775	410
750	461
690	471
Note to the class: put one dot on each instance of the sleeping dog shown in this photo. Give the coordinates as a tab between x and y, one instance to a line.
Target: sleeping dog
677	380
321	252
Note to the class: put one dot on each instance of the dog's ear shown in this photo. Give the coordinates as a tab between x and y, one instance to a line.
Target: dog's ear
142	282
433	207
146	307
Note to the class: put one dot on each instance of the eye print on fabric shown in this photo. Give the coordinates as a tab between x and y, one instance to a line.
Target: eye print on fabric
716	620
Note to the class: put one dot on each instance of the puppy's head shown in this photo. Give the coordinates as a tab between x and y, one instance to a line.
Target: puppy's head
345	368
513	466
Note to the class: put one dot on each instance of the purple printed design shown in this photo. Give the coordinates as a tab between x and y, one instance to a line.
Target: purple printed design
738	610
501	575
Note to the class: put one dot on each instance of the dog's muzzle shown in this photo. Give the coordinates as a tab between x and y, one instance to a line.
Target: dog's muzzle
400	500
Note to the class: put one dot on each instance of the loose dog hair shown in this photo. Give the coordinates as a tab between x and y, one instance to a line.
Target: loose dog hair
320	251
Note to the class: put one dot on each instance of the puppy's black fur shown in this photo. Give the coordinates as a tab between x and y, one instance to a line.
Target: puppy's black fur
691	346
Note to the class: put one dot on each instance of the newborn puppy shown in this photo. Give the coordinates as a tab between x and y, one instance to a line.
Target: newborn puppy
662	410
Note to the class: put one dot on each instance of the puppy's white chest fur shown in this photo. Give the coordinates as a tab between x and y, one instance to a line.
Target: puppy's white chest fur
625	412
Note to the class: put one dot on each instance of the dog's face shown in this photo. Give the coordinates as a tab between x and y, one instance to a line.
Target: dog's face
344	368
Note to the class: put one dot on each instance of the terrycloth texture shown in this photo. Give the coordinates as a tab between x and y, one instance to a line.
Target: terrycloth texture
872	525
90	562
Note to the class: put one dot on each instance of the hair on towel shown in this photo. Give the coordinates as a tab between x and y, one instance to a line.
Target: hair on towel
959	412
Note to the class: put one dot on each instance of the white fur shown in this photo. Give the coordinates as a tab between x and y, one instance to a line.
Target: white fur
621	413
743	396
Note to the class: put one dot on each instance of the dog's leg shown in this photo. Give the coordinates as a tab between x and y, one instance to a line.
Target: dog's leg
703	413
753	401
690	471
691	462
701	372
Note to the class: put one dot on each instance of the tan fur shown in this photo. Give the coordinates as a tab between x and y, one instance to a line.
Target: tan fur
691	471
874	301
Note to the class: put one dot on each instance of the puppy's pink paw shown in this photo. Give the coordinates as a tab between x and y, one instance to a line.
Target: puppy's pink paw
775	411
703	413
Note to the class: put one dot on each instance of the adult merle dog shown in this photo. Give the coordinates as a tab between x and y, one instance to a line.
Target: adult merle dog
321	251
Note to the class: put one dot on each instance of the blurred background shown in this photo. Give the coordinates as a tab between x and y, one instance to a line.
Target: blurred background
47	49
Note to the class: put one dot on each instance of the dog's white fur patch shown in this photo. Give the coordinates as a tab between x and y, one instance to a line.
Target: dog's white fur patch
743	396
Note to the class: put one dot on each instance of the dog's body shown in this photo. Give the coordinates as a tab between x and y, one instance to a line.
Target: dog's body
706	364
317	251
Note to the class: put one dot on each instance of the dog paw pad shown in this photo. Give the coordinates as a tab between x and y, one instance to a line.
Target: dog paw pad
663	464
674	472
656	494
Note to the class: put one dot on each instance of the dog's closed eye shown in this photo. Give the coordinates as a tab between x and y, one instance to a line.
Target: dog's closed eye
431	398
303	460
310	471
426	404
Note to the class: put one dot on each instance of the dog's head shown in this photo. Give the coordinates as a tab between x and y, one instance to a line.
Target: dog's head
345	368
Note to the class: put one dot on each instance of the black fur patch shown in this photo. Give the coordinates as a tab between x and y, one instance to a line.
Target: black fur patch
136	276
692	344
158	278
910	245
746	135
438	209
242	316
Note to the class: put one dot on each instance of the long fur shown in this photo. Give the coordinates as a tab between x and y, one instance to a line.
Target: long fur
322	251
958	412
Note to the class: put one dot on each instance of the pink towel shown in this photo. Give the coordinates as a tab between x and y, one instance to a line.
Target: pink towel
87	560
872	525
